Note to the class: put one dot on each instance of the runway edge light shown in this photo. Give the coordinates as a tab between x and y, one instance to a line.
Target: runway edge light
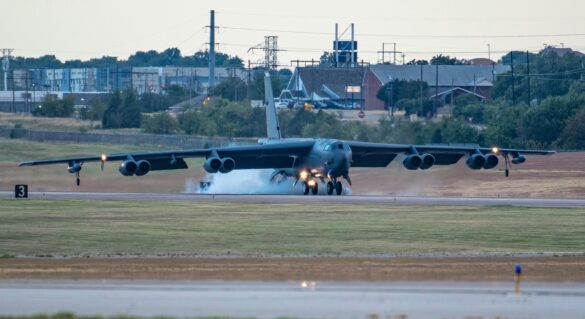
517	277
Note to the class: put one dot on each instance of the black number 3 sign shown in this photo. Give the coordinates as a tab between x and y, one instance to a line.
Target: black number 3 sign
21	191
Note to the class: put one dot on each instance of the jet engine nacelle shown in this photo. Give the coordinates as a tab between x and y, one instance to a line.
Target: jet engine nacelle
76	167
128	168
428	161
415	161
143	167
491	161
212	165
519	159
412	162
476	161
227	165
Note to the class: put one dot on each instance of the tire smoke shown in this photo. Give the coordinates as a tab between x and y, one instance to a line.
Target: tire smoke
251	182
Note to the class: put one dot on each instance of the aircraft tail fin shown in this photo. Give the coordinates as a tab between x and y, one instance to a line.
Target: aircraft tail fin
272	126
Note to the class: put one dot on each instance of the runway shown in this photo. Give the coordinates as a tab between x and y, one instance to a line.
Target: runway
321	199
293	299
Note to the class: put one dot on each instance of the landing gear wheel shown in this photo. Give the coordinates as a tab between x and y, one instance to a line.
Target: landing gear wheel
330	188
77	178
307	189
338	188
315	189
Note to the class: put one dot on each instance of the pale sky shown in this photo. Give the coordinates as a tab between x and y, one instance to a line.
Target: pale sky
82	29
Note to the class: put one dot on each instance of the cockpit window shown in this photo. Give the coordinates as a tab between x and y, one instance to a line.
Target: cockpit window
340	146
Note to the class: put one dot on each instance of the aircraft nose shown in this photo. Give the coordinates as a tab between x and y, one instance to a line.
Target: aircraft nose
341	165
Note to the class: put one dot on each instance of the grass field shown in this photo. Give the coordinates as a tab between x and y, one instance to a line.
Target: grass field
21	150
100	228
28	121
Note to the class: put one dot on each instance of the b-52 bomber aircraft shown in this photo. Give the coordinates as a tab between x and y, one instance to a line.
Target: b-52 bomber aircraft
308	161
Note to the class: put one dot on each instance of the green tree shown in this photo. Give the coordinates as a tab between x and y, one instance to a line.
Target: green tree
52	106
160	123
447	60
112	116
233	89
397	90
417	62
94	111
327	59
573	135
130	113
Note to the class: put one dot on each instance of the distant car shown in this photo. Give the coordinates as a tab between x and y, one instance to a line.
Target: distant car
319	104
281	103
298	104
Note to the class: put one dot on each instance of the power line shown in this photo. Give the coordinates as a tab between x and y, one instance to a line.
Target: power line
441	36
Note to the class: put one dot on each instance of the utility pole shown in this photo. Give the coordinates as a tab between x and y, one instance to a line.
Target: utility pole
383	52
352	59
13	108
212	49
528	76
6	65
436	89
513	80
26	99
249	81
336	49
421	91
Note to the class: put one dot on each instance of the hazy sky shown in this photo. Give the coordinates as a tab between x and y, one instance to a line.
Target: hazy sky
84	29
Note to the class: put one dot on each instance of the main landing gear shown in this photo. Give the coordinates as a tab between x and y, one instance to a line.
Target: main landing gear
332	187
312	187
337	187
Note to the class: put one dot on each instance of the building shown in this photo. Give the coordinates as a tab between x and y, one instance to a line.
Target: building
442	80
341	85
104	80
360	85
561	52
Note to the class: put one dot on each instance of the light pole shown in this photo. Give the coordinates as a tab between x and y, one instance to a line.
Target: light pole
34	97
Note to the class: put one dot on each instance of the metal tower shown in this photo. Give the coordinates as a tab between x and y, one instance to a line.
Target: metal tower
270	48
6	65
271	52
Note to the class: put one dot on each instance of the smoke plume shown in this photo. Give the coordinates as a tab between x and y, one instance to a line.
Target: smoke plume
251	182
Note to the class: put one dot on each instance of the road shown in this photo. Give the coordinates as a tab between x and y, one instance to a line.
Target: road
293	299
322	199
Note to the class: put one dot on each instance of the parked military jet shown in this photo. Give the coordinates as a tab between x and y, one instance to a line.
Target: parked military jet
308	161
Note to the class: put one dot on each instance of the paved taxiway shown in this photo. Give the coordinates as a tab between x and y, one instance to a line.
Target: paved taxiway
293	299
321	199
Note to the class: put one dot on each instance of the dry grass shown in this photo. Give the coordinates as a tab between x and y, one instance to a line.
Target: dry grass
100	228
28	121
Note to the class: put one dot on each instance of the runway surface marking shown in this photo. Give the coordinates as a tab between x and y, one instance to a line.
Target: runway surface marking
293	299
295	199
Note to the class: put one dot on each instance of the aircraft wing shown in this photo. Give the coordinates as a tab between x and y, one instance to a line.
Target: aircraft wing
276	155
367	154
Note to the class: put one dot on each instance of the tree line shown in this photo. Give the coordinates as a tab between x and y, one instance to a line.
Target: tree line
168	57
